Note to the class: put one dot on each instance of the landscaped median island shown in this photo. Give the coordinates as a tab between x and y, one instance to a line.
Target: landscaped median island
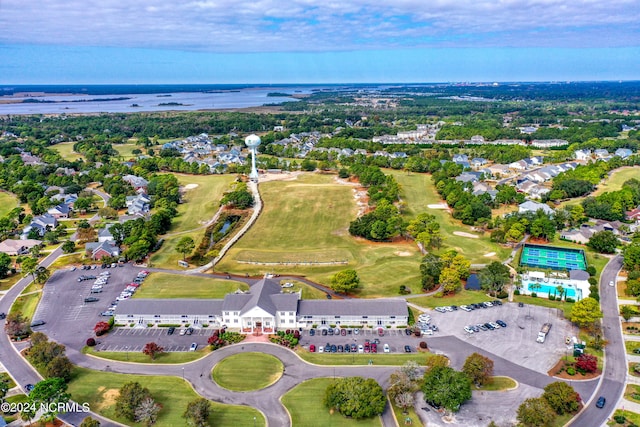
247	371
139	357
101	390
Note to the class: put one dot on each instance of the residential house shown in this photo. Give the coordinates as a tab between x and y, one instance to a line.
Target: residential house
623	153
104	235
41	224
60	211
138	205
460	158
136	182
520	165
531	206
601	153
549	143
14	247
477	139
477	162
99	250
583	154
468	177
634	214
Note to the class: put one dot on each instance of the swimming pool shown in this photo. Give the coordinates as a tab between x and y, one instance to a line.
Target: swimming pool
545	288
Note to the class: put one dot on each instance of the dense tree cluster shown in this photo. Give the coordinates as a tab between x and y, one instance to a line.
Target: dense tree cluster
446	387
49	357
383	223
612	205
135	403
355	397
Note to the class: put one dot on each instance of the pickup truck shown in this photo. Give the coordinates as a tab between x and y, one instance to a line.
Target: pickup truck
542	335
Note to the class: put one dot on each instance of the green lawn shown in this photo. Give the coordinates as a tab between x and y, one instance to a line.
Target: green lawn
304	403
463	297
100	390
357	359
630	416
26	304
401	417
65	150
125	150
308	292
8	282
248	371
632	393
139	357
5	377
418	191
611	183
307	220
164	285
631	345
497	384
8	201
200	205
543	302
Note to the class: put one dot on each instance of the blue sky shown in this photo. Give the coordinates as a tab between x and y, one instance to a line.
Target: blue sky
317	41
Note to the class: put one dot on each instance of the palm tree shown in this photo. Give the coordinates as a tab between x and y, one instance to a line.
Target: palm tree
561	291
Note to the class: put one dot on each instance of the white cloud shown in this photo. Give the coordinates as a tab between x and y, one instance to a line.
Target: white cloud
321	25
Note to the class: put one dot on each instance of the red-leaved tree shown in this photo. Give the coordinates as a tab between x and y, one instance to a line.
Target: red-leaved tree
587	363
101	328
152	349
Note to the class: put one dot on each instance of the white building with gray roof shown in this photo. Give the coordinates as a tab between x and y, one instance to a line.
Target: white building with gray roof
264	308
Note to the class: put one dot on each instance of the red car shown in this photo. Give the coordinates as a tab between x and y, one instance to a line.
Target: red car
374	348
366	347
312	348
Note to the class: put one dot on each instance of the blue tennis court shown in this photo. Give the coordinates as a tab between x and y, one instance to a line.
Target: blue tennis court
553	257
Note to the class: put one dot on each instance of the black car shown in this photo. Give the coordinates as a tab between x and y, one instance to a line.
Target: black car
334	348
489	326
407	349
324	332
347	348
29	388
37	323
330	331
328	296
601	401
91	299
520	304
2	316
407	331
501	323
454	307
312	332
171	330
497	302
189	331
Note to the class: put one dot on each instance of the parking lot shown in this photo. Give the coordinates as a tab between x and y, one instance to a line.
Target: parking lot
395	338
516	342
70	320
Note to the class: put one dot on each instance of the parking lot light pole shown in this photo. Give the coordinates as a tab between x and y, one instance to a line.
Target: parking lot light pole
183	372
126	349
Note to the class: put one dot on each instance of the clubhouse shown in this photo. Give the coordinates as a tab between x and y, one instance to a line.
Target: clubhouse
264	308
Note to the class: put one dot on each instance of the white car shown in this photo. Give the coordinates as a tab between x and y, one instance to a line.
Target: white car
611	283
105	274
321	349
360	348
194	347
386	348
440	309
468	329
465	308
288	285
447	308
495	325
488	304
427	332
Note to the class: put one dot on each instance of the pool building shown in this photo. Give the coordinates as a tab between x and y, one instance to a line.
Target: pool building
564	272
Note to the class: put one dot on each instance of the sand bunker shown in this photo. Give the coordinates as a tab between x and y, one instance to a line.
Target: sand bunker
403	253
490	254
190	186
438	206
463	234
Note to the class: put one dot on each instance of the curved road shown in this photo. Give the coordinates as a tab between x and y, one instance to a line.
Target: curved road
613	378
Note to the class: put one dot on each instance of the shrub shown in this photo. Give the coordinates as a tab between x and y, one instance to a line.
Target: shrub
591	270
91	342
571	371
101	328
568	299
552	297
593	281
619	419
534	294
516	292
423	345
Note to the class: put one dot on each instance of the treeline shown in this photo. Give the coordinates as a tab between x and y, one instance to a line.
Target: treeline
612	205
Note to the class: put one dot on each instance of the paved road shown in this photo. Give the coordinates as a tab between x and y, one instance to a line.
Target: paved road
19	369
615	370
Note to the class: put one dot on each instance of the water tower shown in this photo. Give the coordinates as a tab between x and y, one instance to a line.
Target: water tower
252	141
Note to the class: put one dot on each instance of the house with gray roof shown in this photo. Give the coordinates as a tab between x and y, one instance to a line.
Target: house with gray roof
265	308
530	206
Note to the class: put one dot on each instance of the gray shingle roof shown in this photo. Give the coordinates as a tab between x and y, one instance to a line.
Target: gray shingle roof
353	307
174	306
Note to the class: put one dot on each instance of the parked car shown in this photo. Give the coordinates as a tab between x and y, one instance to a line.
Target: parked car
171	330
343	332
374	348
347	348
468	329
193	347
183	331
386	348
407	349
91	299
495	325
312	332
465	308
324	332
407	331
501	323
340	348
489	326
601	401
97	291
189	331
107	313
330	331
312	348
360	348
321	349
334	348
354	348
